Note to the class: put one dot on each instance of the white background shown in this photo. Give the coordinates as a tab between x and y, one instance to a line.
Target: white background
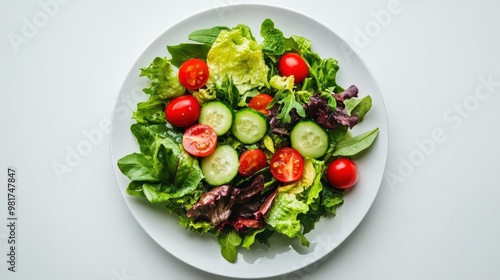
435	216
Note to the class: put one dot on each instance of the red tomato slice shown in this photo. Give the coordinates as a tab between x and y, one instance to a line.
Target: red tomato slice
183	111
193	73
199	140
342	173
252	161
260	102
287	165
293	64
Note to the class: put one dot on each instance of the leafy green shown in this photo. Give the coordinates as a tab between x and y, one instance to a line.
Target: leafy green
150	111
137	167
274	41
325	73
206	36
353	146
228	92
232	54
358	106
287	102
164	81
185	51
331	200
228	245
250	237
283	215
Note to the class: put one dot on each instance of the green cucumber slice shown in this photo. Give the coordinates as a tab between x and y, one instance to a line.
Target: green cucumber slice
221	166
309	139
217	115
249	125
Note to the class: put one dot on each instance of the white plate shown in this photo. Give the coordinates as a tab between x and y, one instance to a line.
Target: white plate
283	257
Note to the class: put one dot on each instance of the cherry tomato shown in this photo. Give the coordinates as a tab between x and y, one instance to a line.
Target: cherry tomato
193	73
342	173
252	161
287	165
293	64
199	140
183	111
260	102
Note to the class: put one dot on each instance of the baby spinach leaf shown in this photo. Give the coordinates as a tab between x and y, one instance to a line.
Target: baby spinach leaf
206	36
185	51
355	145
358	106
137	167
228	245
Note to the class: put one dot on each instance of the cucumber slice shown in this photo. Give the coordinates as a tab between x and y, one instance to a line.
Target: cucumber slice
217	115
249	125
221	166
309	139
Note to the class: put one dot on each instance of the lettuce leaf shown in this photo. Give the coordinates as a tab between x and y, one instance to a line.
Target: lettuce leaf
232	54
283	215
164	82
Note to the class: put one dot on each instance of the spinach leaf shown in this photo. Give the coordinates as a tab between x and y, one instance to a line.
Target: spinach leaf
228	244
206	36
353	146
137	167
185	51
358	106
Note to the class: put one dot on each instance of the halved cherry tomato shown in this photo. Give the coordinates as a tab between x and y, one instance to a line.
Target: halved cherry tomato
183	111
252	161
342	173
193	73
293	64
260	102
199	140
287	165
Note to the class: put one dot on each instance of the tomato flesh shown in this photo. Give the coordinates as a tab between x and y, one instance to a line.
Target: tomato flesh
292	64
183	111
260	103
193	73
252	161
287	165
199	140
342	173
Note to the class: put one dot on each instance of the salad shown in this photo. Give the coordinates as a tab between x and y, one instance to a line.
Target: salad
246	140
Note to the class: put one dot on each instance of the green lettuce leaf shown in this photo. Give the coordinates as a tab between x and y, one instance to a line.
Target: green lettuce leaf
232	54
164	81
283	215
151	111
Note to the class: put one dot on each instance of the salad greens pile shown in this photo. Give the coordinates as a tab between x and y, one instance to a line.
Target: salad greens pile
248	209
